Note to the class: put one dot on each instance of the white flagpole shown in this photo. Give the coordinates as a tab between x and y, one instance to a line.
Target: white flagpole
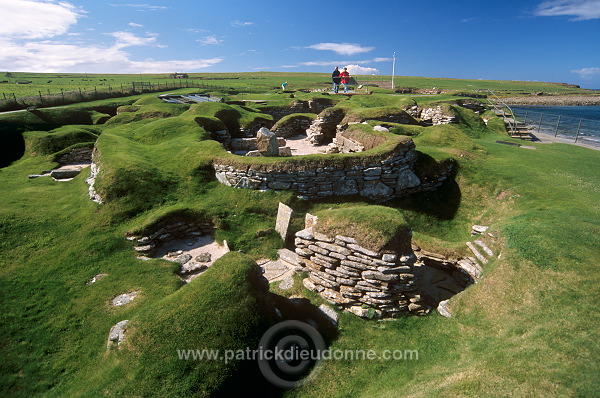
393	69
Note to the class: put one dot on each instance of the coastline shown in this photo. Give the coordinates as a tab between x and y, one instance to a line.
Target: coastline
555	100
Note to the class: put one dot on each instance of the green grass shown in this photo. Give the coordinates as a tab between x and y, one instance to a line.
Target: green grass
375	227
528	328
261	83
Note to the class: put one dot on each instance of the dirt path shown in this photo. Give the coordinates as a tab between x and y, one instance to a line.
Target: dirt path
543	138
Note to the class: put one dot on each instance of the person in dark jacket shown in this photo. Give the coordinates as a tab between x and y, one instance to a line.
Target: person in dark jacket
335	76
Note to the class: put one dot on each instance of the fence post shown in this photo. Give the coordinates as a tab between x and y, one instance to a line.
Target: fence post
540	123
557	124
62	93
578	128
41	99
525	122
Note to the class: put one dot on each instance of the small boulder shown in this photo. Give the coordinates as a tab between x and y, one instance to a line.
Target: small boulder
117	334
203	258
267	142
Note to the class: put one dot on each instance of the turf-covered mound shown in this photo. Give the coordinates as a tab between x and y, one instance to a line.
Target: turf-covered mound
374	227
234	117
45	143
162	130
134	113
227	308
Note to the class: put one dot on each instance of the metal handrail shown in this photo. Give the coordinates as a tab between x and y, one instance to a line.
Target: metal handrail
513	124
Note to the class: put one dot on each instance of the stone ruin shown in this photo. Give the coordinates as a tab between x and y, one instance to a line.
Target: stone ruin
170	232
70	164
385	177
380	284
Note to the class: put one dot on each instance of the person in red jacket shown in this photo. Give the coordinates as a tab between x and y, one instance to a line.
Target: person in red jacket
345	79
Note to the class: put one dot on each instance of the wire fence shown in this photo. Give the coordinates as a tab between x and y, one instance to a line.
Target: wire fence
10	101
577	129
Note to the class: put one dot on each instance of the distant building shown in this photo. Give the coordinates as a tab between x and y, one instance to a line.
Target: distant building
178	76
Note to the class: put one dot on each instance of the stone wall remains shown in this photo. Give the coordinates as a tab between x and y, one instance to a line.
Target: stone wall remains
311	106
435	116
295	125
380	180
324	128
169	230
81	155
382	284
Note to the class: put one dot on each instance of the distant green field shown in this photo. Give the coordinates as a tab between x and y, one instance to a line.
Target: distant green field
53	83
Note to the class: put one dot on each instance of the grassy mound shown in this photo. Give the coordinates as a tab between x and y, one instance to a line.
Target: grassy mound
294	117
233	117
134	113
374	227
45	143
227	308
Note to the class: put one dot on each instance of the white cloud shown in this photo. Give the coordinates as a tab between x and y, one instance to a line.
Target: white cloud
361	70
128	39
580	9
587	73
241	23
135	25
28	39
210	40
338	62
341	48
29	19
50	56
383	59
141	7
194	30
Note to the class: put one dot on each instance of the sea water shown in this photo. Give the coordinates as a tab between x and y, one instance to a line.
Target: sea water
581	122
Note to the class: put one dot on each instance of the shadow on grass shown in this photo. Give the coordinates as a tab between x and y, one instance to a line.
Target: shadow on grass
441	203
249	381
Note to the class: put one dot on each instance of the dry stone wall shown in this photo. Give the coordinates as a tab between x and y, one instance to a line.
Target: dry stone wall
295	125
311	106
382	284
377	180
436	116
361	281
171	230
81	155
325	126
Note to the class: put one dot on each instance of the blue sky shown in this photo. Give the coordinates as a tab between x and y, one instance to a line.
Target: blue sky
539	40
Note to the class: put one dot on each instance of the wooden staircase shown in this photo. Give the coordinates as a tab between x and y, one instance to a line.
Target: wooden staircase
514	127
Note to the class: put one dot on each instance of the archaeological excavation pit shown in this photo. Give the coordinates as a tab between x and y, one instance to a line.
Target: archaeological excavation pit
189	243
